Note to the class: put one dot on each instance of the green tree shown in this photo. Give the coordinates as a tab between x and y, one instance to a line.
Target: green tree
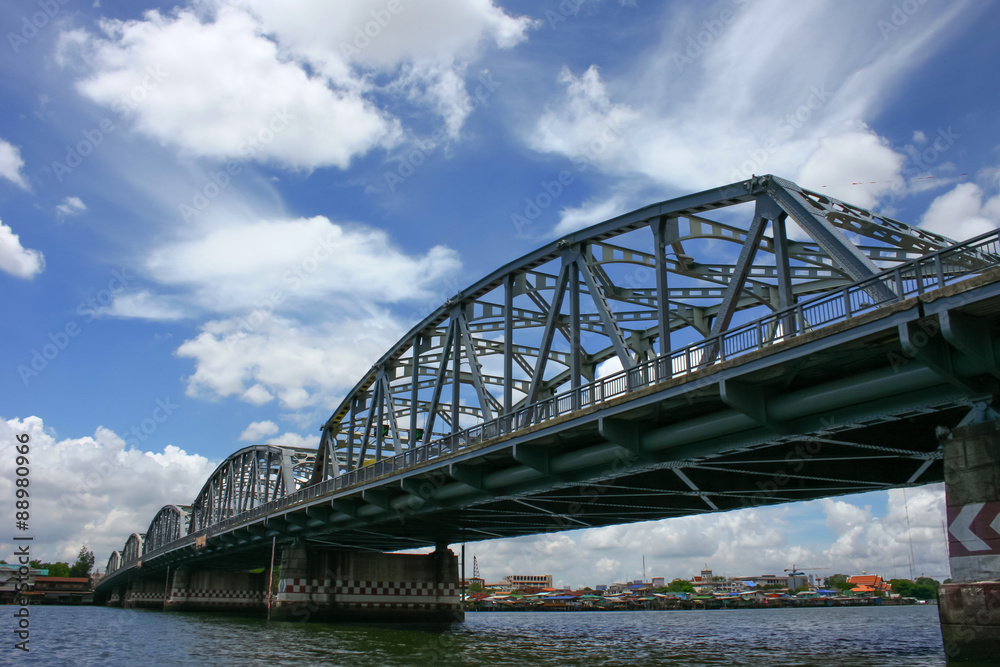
84	563
680	586
59	569
838	582
475	587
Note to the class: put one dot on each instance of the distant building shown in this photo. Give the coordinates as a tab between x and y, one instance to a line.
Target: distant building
11	580
658	582
62	590
869	584
524	580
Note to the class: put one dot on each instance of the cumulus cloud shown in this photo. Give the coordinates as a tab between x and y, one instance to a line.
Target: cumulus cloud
250	103
302	261
71	206
300	365
95	490
963	212
856	166
288	84
17	260
911	532
257	431
11	164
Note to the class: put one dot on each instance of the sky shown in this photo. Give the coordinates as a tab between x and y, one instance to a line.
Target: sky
215	216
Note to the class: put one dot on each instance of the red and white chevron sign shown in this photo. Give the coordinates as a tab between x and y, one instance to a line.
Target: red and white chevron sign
974	529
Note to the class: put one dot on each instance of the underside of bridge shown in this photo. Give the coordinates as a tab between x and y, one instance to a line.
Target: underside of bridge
746	346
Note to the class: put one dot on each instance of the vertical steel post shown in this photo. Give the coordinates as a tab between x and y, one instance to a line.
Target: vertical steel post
574	329
508	344
414	396
662	287
270	578
456	372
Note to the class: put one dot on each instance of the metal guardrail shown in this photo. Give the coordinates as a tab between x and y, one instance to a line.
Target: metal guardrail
918	276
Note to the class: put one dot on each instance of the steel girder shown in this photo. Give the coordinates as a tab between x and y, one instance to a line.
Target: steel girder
609	297
132	550
251	477
114	562
170	523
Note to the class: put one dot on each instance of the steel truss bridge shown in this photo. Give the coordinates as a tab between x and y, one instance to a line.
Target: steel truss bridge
748	345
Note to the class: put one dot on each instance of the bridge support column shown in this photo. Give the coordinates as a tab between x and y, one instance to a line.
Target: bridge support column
215	590
143	594
970	605
319	584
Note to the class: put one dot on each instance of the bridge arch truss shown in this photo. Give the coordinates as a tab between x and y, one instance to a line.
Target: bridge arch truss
609	298
249	478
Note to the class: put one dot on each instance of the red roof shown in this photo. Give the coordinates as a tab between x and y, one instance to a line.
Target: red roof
63	580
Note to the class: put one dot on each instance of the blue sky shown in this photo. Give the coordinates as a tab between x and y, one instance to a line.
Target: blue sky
215	216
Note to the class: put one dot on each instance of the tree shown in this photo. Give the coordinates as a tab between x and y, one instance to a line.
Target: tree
475	587
55	569
680	586
84	563
838	582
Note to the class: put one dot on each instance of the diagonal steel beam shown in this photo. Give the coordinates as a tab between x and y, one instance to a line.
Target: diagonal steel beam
611	328
834	243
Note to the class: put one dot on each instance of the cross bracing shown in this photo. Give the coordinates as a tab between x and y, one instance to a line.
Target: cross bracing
611	297
249	478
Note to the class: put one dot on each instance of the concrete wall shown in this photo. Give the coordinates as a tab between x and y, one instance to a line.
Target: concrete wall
217	590
332	585
970	605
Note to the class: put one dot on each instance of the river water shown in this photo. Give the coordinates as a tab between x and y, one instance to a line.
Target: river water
843	636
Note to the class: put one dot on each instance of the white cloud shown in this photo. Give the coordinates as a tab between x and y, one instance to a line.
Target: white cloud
288	84
962	213
300	365
296	440
11	164
95	490
257	431
71	206
144	305
17	260
589	213
911	531
699	119
250	103
857	166
302	261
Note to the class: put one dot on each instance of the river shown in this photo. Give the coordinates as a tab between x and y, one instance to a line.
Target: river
814	636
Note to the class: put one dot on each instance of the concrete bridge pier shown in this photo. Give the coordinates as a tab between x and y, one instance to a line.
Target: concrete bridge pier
970	605
196	589
322	584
